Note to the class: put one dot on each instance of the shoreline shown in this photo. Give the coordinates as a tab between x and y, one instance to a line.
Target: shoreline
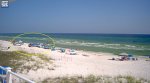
115	44
96	63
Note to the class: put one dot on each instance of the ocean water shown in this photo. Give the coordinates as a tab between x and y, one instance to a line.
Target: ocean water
136	44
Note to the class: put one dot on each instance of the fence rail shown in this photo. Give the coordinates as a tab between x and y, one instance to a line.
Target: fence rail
9	74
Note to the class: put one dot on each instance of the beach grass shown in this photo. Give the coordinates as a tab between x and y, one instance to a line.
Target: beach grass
17	60
95	79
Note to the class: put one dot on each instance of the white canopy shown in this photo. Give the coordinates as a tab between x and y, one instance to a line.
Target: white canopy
123	54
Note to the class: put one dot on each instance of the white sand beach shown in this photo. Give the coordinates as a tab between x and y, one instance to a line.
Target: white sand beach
95	63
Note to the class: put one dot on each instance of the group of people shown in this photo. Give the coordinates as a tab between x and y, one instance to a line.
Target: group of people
125	57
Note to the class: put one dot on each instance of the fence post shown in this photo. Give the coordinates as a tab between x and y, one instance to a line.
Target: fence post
8	75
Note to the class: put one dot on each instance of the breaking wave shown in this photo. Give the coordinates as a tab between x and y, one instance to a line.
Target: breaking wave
102	45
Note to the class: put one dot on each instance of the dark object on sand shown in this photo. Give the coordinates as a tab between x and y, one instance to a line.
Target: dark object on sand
113	58
8	47
34	45
62	50
85	55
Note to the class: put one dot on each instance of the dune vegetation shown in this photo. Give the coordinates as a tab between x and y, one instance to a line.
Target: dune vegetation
95	79
22	61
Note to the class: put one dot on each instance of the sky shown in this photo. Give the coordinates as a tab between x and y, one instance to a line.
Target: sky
76	16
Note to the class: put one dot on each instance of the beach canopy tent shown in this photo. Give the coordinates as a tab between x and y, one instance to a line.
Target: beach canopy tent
123	54
72	52
126	54
18	43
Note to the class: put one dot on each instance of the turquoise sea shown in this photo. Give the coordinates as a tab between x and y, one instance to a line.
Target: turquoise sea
136	44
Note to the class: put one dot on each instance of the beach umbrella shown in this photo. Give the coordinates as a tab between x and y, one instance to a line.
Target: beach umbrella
123	54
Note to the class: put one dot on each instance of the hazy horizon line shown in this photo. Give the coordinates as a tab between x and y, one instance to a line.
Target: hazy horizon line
73	33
